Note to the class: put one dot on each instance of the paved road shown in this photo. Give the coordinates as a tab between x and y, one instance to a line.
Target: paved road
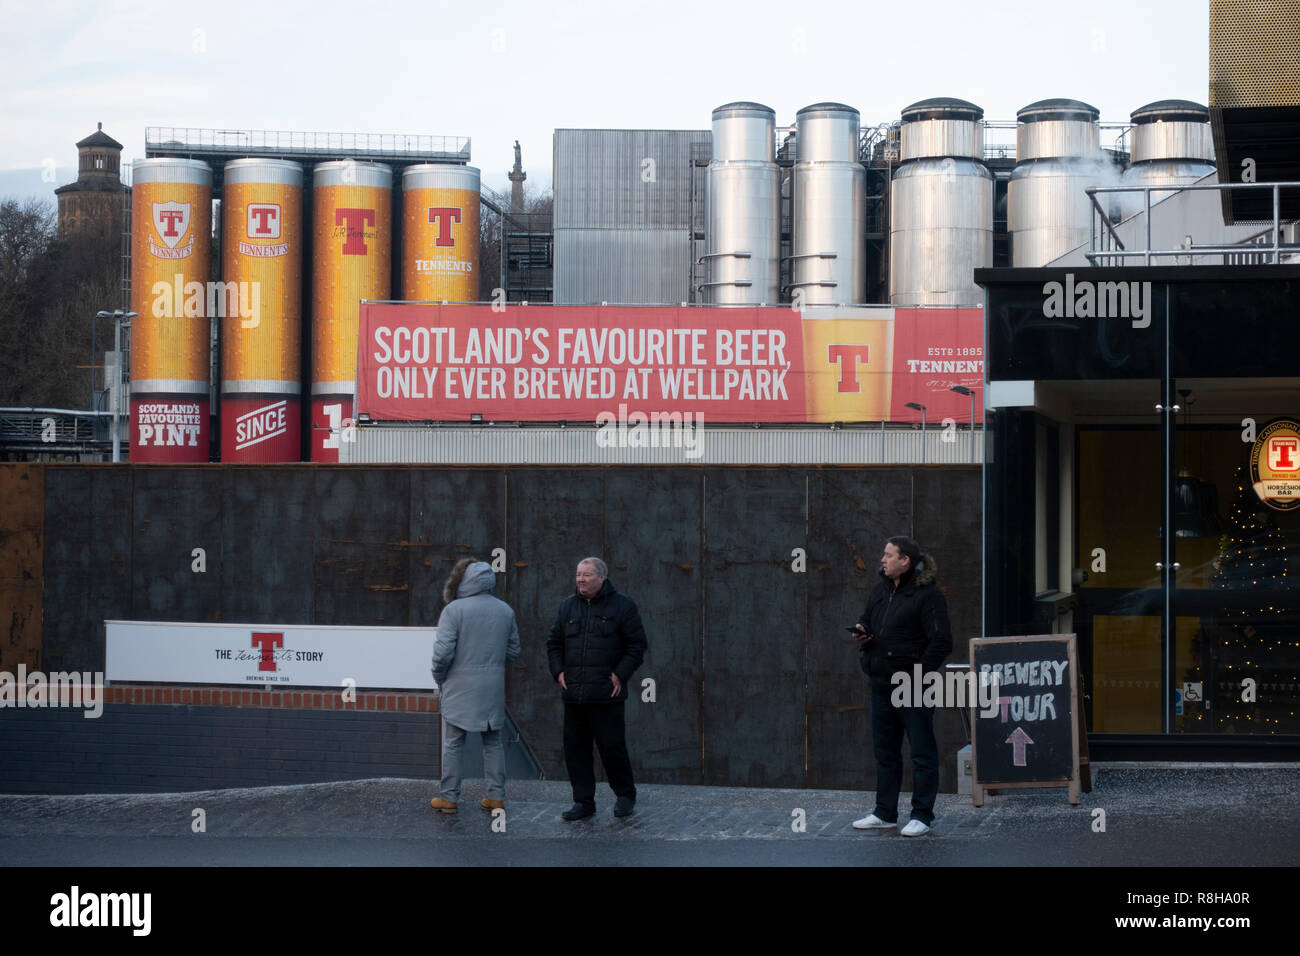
1153	817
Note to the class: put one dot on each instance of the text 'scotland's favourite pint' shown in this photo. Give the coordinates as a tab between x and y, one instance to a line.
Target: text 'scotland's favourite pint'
171	351
440	235
352	251
261	375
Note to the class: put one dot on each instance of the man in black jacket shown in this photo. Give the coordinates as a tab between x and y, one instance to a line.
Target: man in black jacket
596	644
905	623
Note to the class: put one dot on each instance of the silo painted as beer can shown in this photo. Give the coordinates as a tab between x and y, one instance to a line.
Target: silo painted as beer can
261	252
352	253
171	352
440	237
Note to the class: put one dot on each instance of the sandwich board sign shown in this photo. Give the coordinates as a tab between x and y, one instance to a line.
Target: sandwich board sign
1033	738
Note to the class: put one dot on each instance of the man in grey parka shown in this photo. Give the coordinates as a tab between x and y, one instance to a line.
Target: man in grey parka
477	637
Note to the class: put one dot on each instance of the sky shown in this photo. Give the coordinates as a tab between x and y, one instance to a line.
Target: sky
497	71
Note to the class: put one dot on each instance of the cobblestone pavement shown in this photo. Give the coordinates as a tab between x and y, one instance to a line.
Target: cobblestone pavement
1167	816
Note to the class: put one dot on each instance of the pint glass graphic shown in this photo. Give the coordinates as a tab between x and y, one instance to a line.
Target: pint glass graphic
261	370
440	237
352	252
847	355
171	352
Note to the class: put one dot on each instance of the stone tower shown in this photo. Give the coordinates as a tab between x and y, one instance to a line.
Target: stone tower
96	201
517	177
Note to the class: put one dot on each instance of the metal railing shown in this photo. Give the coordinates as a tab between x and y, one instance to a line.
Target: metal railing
1000	138
254	141
53	430
1112	247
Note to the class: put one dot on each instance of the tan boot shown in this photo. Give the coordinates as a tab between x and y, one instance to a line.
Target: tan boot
442	806
492	804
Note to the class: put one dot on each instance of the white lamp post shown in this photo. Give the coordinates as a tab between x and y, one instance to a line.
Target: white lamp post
118	316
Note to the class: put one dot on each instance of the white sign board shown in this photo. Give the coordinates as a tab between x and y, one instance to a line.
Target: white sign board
286	655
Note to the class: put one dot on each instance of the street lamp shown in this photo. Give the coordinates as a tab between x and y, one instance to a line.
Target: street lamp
118	316
920	408
963	390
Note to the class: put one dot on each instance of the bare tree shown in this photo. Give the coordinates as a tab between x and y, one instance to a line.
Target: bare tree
489	253
50	290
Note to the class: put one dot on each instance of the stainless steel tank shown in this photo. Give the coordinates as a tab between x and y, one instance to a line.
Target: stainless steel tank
743	225
1170	145
1058	156
829	255
941	206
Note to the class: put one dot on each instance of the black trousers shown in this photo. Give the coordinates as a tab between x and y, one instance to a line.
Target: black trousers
603	724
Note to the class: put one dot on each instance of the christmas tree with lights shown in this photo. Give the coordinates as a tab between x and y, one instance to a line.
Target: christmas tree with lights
1256	643
1252	555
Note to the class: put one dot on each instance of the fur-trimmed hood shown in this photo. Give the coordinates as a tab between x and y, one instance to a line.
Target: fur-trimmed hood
923	573
467	580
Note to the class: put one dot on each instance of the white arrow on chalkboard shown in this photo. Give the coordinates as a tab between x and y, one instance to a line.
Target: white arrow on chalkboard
1017	740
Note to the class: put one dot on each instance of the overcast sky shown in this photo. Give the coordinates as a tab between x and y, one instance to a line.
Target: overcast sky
500	71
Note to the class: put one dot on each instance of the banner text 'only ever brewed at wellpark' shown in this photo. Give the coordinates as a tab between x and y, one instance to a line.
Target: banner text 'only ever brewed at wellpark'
419	362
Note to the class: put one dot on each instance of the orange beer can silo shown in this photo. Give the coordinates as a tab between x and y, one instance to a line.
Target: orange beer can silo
261	369
440	237
171	350
352	249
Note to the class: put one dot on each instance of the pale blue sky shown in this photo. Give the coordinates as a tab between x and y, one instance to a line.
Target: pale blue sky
499	70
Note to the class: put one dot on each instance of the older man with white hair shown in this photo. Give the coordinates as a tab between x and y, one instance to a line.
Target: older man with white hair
595	645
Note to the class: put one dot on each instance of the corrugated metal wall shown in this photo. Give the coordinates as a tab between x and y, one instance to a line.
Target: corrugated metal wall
577	445
603	179
623	266
745	577
623	215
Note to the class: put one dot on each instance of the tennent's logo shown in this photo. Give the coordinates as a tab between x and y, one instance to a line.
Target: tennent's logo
171	222
849	358
443	217
1282	453
1098	300
267	642
262	221
1275	465
350	226
268	650
261	424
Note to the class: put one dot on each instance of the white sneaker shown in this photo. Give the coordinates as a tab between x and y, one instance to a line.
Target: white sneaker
916	828
872	822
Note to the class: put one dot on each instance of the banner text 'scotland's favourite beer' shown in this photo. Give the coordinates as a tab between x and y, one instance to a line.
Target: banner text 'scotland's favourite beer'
171	353
440	233
352	253
261	375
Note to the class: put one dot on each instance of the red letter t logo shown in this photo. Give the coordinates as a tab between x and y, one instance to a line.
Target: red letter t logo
267	641
842	354
354	222
444	216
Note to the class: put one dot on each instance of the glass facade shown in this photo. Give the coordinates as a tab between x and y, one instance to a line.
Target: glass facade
1126	410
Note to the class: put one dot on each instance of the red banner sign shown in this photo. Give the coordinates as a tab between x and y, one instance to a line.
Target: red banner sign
575	363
